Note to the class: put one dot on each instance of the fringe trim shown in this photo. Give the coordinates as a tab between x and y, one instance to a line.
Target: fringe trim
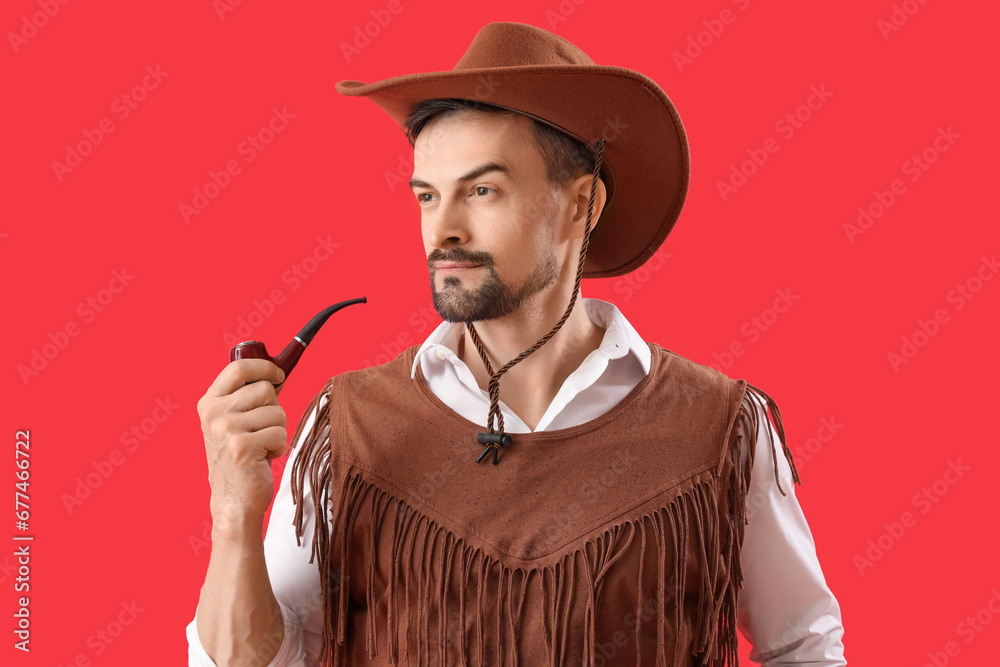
747	426
758	395
428	561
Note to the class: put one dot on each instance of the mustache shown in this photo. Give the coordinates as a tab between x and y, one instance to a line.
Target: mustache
459	255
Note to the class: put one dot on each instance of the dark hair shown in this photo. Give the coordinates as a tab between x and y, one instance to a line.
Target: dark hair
565	157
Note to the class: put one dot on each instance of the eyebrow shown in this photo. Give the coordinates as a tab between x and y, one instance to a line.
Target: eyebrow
471	175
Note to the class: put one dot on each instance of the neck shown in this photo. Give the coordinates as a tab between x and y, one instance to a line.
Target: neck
529	387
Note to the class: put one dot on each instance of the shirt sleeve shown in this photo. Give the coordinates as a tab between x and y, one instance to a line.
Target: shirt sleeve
294	580
786	610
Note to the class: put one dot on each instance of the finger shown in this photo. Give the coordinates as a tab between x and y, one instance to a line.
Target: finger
252	396
242	371
251	436
271	440
261	419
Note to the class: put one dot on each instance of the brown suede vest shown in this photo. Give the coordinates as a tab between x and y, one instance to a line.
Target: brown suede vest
613	542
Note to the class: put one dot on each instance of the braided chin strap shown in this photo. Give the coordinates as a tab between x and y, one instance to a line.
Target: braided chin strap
495	438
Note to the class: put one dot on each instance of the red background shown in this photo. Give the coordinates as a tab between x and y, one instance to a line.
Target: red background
138	536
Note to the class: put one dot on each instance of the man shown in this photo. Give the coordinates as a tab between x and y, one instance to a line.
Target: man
534	484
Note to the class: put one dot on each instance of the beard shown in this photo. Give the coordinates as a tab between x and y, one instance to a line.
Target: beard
493	298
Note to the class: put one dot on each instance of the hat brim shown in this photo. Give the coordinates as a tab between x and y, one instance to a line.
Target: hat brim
646	147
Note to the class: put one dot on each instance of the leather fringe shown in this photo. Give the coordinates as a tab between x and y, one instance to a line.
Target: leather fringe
768	403
428	561
747	426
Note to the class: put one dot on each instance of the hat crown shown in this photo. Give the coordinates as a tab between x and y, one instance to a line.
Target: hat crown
504	44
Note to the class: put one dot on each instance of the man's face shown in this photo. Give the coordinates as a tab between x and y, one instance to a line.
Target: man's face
489	216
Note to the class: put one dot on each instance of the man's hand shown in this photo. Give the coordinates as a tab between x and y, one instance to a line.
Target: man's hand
244	429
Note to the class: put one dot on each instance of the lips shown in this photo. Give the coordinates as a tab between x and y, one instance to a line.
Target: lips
454	266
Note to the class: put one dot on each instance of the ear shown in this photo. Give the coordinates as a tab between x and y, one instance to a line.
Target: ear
579	197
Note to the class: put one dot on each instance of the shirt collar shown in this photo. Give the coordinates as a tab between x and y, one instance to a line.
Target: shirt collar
620	337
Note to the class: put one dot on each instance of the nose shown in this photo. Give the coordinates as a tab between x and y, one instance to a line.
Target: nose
446	225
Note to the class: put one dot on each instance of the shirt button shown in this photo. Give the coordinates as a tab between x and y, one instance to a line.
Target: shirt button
440	355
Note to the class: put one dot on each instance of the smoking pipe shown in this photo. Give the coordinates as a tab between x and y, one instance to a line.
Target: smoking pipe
286	361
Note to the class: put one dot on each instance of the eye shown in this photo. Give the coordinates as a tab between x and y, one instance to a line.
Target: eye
483	190
425	197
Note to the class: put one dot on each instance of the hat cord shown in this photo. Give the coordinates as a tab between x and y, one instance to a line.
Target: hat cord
495	438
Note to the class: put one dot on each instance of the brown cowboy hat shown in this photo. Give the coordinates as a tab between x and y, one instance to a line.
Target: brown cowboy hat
535	72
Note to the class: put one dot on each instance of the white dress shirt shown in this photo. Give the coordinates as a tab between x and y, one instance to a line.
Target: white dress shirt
786	610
